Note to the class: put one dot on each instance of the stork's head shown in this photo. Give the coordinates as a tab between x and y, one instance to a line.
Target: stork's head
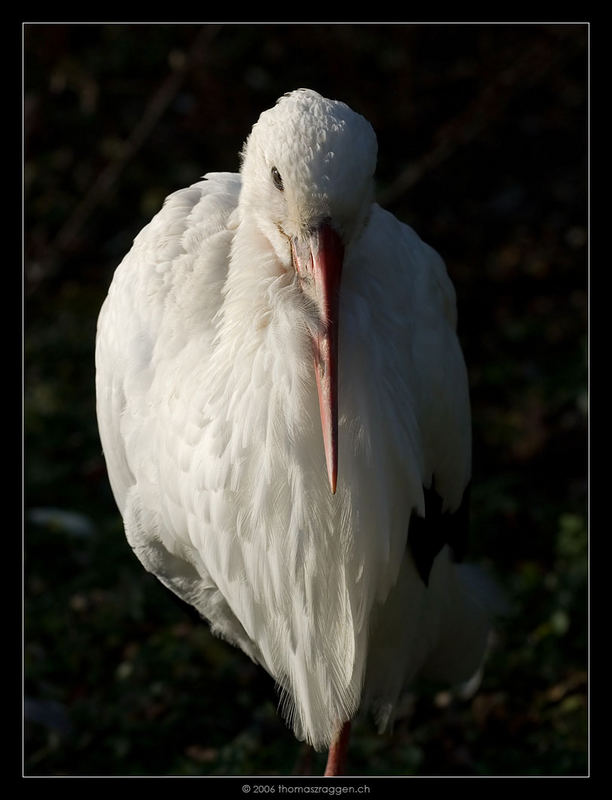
308	170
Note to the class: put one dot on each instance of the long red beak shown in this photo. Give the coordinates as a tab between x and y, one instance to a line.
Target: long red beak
319	266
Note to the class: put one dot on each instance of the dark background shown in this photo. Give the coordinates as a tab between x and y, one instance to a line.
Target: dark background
483	149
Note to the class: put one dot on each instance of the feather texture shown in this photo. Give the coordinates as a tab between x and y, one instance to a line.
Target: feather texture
209	420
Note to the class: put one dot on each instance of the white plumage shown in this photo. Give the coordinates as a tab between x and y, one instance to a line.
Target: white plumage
210	420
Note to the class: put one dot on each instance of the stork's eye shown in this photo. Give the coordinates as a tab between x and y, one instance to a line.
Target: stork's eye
276	177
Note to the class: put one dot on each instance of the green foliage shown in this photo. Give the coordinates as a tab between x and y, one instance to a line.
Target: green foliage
489	124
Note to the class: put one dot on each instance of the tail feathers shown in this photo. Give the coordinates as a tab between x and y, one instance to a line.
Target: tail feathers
465	601
440	632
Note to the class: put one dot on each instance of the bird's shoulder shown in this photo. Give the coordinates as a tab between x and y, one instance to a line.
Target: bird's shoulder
164	294
187	226
177	261
405	261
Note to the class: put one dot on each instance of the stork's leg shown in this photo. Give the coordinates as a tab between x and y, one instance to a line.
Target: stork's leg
337	752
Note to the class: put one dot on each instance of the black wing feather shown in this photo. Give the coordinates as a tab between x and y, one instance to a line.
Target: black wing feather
427	535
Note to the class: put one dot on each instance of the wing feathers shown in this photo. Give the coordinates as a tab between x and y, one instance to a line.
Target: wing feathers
428	534
208	416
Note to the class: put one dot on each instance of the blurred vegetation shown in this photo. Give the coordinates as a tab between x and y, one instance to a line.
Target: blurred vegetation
483	149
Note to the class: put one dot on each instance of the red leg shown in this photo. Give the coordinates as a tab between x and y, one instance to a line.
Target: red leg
337	752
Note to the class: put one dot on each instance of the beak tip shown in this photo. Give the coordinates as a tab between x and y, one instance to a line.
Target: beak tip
332	482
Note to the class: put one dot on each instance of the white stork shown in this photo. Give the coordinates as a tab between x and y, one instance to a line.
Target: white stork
283	407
